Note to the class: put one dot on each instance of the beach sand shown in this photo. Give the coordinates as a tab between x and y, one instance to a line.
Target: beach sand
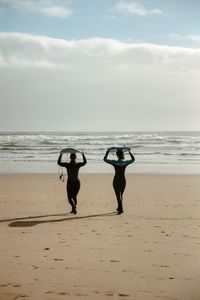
152	251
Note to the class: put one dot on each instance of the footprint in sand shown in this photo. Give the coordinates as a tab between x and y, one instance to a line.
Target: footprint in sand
19	297
183	254
16	285
128	271
63	294
35	267
160	266
96	292
4	285
114	260
109	294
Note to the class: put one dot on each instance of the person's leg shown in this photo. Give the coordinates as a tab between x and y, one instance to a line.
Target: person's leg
118	196
122	188
76	189
119	187
70	196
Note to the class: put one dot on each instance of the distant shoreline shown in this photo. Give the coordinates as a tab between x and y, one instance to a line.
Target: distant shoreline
101	168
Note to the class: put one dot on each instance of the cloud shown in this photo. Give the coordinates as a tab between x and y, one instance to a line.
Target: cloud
56	11
25	49
136	9
50	8
97	84
193	38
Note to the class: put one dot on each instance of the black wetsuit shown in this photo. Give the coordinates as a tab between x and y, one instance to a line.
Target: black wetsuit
119	180
73	182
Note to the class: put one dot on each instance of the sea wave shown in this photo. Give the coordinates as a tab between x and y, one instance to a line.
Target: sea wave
156	147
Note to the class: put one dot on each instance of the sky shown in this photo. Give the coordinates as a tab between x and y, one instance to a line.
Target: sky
99	65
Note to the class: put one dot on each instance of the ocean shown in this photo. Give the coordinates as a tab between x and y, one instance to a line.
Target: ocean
155	152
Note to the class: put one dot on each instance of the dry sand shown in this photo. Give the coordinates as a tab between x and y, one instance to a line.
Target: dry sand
152	251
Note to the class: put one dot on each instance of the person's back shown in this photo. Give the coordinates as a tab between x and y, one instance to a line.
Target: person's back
119	180
73	182
73	170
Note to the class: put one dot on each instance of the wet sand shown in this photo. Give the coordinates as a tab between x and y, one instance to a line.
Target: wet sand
150	252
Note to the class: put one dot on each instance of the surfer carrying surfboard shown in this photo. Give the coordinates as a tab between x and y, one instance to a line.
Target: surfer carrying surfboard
119	180
73	182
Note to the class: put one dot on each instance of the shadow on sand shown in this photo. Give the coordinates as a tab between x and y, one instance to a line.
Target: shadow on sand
31	217
28	223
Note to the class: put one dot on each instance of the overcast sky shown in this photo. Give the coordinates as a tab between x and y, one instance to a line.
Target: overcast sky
100	65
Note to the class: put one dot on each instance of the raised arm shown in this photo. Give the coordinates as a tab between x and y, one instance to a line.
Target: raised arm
84	160
106	157
130	161
132	157
59	161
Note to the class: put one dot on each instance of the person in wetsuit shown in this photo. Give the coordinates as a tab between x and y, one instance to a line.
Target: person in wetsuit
119	180
73	182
